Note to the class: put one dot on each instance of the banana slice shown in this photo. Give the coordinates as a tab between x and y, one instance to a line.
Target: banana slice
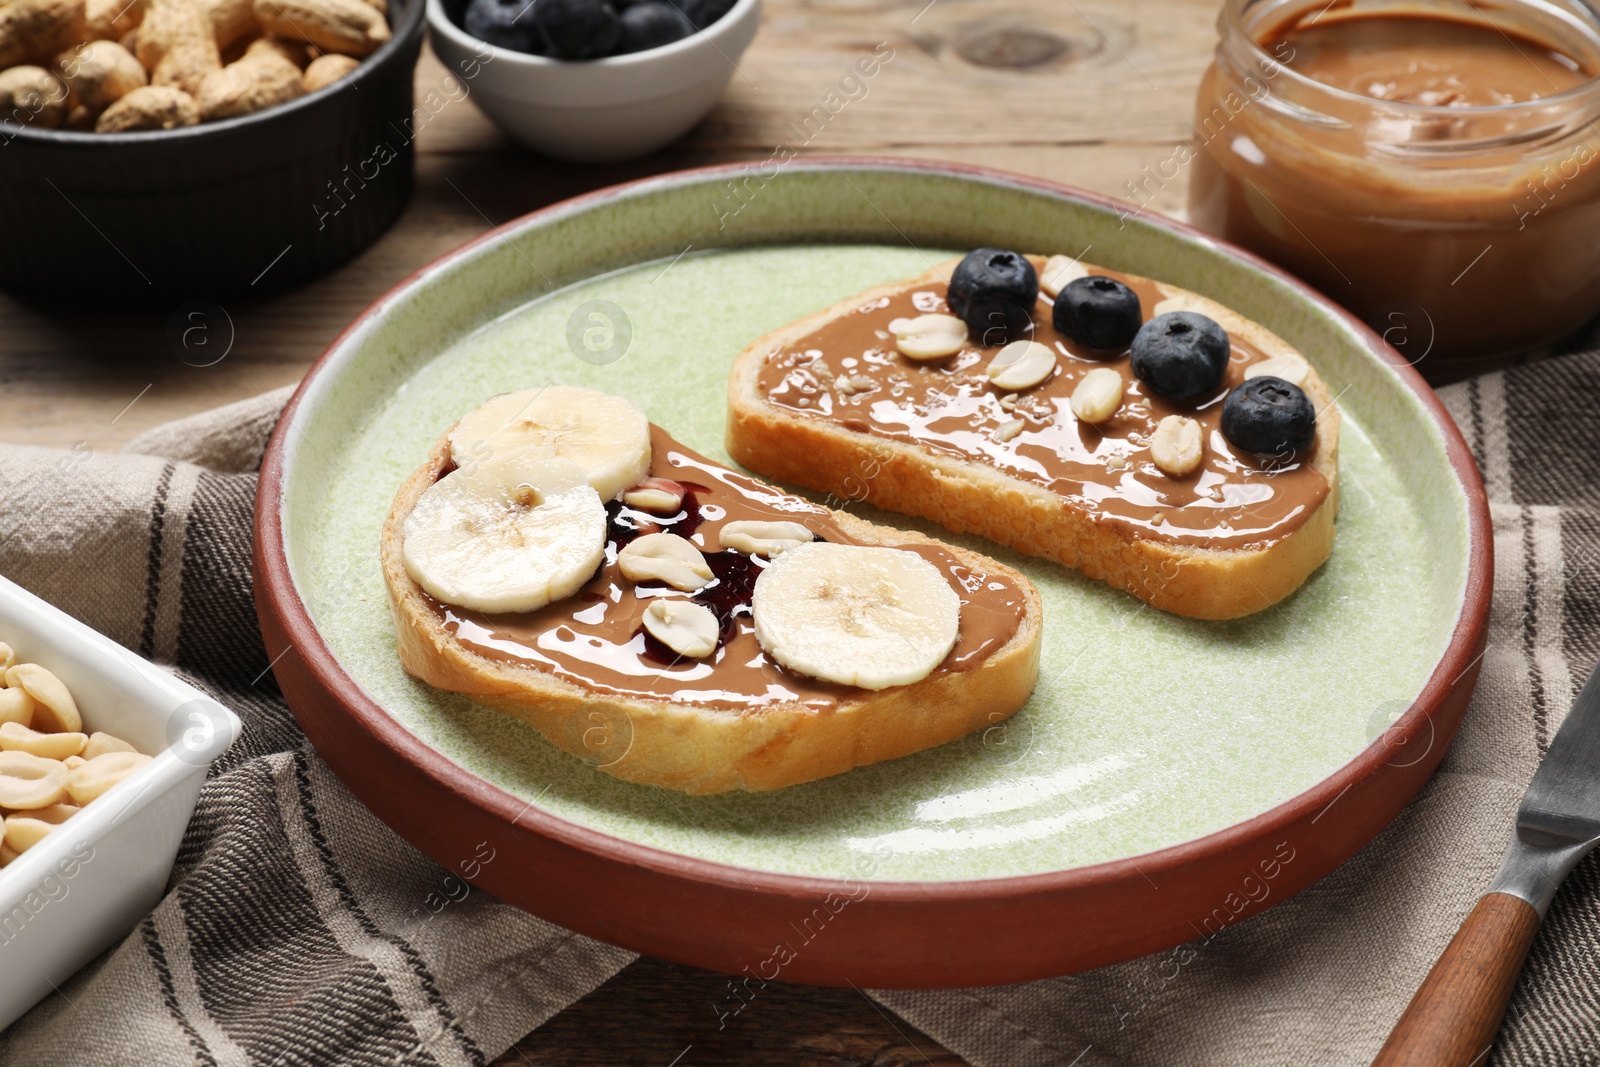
605	435
857	615
510	533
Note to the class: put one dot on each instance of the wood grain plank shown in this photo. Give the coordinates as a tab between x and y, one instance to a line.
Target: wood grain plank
1121	71
654	1014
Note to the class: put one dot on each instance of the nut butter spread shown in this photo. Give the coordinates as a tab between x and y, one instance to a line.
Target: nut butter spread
850	373
1433	169
596	637
1436	62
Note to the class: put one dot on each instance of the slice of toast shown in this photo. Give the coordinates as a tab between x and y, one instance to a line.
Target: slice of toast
970	493
678	744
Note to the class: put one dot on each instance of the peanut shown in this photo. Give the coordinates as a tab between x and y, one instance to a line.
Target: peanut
262	78
15	737
296	52
1097	395
152	107
1290	366
54	709
15	704
1059	272
89	781
765	539
658	496
1008	430
689	629
31	31
665	557
32	96
130	41
100	743
7	854
325	70
929	336
100	73
22	832
231	20
109	20
176	45
349	27
1021	365
29	782
7	658
1177	446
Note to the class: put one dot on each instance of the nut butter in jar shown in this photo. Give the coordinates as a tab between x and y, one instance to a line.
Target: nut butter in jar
1434	167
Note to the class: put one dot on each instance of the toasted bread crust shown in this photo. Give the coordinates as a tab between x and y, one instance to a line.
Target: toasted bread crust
701	750
969	496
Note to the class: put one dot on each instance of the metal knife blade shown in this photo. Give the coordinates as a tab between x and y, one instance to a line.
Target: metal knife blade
1559	820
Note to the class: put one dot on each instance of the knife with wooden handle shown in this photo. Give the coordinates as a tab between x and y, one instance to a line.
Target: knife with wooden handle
1452	1020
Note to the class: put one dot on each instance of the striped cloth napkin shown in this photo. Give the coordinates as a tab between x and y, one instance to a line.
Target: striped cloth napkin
298	929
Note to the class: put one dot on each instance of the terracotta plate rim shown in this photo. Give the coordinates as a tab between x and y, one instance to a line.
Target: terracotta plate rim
1457	661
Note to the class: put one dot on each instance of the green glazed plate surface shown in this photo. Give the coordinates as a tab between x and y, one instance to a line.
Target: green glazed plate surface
1146	730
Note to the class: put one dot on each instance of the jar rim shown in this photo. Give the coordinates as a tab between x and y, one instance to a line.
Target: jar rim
1231	18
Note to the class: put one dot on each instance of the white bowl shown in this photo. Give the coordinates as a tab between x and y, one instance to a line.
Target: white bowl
81	889
597	110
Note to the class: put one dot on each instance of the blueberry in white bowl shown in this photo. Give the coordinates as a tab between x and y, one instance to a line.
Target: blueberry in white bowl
651	24
1269	416
1098	312
1180	355
642	94
993	290
505	24
588	29
577	29
703	13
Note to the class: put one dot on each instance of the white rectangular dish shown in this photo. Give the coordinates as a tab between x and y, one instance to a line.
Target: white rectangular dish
81	889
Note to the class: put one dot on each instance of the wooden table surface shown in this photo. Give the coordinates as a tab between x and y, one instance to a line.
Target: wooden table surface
1087	92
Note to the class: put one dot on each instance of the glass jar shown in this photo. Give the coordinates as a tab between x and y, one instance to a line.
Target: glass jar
1460	233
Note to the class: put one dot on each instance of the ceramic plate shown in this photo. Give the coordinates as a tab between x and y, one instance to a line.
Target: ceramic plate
1168	775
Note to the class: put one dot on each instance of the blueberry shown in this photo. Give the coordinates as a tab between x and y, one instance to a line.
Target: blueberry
1269	415
651	24
577	29
994	291
504	23
1098	312
703	13
1180	354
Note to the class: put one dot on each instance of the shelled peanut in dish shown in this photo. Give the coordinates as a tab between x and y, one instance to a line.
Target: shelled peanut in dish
676	623
49	768
1138	432
116	66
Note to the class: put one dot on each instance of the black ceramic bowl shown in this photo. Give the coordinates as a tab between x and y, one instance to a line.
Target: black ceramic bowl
216	210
